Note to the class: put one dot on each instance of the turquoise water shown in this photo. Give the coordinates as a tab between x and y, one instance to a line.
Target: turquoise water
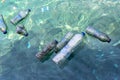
52	19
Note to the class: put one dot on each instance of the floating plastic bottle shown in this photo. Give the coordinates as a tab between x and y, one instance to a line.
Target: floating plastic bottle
46	52
64	41
3	26
65	53
21	30
20	16
98	34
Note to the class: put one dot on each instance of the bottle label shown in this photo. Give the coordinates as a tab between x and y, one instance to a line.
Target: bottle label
65	50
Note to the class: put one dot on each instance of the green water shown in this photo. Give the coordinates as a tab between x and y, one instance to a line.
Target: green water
52	19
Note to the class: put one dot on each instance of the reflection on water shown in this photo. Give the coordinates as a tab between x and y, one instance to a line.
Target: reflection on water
52	19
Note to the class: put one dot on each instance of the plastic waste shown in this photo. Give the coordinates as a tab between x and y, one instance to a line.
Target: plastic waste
3	26
20	29
98	34
20	16
64	41
46	8
47	50
65	53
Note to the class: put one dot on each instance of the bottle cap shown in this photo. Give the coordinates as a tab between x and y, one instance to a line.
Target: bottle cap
29	10
83	33
56	41
26	34
4	32
109	41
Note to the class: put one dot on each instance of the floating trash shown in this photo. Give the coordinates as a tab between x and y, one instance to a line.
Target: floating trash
47	50
97	34
20	16
21	30
3	26
64	54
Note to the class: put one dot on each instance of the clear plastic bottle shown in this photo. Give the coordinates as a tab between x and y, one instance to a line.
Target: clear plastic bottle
64	41
3	26
65	53
20	29
98	34
21	15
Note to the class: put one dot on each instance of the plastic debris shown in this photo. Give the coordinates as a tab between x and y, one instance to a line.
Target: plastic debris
21	30
47	50
98	34
20	16
64	54
3	26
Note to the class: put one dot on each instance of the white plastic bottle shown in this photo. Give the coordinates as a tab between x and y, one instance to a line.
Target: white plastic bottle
68	49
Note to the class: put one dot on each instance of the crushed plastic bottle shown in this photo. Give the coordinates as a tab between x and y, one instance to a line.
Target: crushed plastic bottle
98	34
65	53
64	41
20	29
20	16
47	50
3	26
